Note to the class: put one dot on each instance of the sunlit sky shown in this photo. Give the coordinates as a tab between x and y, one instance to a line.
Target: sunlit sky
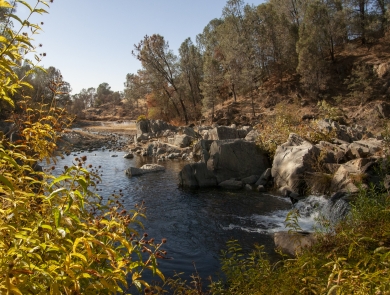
91	41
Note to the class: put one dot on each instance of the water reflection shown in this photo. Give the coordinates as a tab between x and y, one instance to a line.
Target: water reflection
197	223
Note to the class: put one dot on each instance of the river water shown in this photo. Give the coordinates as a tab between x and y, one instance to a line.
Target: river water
197	224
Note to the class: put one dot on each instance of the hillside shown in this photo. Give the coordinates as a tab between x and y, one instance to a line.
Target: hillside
359	85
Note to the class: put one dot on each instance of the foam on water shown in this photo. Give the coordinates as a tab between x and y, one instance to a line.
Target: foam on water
310	210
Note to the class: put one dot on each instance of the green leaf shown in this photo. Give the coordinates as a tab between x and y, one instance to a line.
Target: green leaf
6	182
60	178
46	226
83	184
15	17
25	4
56	192
69	204
57	217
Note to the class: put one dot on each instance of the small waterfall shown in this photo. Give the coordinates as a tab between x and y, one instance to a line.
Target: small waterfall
335	209
314	213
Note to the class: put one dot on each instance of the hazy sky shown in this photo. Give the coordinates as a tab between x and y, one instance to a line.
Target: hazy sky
91	41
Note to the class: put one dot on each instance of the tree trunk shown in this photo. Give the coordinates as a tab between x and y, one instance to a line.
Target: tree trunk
234	93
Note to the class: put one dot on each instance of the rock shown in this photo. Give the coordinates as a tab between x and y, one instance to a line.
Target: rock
241	133
142	127
181	140
348	174
223	133
196	175
261	189
264	178
253	135
160	151
383	109
189	131
173	155
293	243
114	156
236	159
129	156
147	168
250	179
383	69
205	134
231	184
292	160
201	149
248	187
141	137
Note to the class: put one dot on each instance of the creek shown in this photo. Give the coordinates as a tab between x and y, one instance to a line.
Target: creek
197	224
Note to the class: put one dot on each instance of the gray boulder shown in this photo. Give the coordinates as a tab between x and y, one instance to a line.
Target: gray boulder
196	175
181	140
236	159
292	160
349	174
201	149
250	179
293	243
253	135
223	133
142	127
264	178
231	184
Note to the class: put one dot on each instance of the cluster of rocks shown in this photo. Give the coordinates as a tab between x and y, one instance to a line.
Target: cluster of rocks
159	139
229	158
327	167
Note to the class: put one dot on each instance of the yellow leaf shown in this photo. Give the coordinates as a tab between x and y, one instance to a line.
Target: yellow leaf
81	256
5	4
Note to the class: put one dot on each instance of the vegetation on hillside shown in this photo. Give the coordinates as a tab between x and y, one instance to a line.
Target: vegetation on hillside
298	47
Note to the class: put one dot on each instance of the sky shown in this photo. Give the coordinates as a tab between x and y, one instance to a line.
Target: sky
90	41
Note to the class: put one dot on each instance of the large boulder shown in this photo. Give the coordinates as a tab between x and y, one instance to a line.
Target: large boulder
196	175
142	127
364	148
293	243
223	133
201	149
181	140
236	159
350	174
292	160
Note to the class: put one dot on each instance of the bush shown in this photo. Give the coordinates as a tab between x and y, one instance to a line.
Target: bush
276	130
57	236
141	118
352	259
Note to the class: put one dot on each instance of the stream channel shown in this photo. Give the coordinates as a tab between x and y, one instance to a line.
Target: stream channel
198	223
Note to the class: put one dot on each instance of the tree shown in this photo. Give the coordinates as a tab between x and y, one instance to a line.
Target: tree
321	30
191	72
135	88
160	62
210	85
